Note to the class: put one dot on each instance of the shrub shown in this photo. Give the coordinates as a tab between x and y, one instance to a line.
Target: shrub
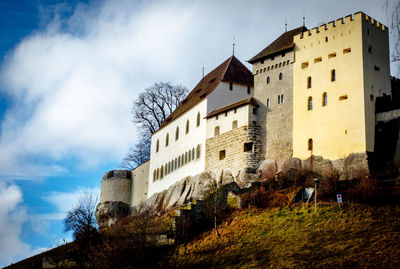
366	190
264	198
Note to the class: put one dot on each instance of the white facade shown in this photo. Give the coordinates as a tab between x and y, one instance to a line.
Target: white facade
177	150
222	96
229	120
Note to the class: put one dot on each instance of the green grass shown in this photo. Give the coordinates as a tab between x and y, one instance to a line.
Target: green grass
295	237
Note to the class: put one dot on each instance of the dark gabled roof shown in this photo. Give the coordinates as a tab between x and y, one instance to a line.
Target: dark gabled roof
232	70
284	42
243	102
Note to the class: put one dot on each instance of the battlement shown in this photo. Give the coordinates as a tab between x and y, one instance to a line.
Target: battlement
352	18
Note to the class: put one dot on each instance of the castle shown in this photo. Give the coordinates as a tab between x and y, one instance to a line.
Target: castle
320	92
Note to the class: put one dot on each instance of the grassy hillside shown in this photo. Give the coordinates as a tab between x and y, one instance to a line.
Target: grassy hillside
295	237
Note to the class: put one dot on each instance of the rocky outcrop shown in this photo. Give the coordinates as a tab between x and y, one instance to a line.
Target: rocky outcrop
107	213
267	169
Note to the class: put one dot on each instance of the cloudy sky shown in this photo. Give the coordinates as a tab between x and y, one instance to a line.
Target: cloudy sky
69	71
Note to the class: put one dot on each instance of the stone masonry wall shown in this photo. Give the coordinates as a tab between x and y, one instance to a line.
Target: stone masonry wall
233	142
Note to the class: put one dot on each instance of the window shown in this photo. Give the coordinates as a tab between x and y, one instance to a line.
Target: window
192	153
216	130
268	80
304	65
346	50
167	140
177	133
248	89
254	110
276	66
198	120
235	110
186	158
333	75
332	55
343	97
279	99
183	159
248	147
162	171
222	154
179	161
370	49
154	175
280	64
157	145
324	99
310	144
198	151
265	69
371	97
187	126
282	99
377	68
268	103
317	60
234	125
268	68
231	85
367	31
283	54
308	82
226	113
280	76
309	103
287	62
262	61
158	173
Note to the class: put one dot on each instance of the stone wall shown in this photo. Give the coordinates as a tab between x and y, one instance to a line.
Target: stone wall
275	116
236	157
116	186
140	183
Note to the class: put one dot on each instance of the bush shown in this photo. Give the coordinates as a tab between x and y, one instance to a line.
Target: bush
264	198
366	190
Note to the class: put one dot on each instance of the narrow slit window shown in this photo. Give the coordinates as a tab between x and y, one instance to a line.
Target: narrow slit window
248	90
187	126
343	97
309	83
222	155
216	130
282	99
198	151
231	84
377	68
324	99
317	60
304	65
268	80
310	144
333	75
177	133
167	140
268	102
279	99
157	145
332	55
309	103
280	76
198	120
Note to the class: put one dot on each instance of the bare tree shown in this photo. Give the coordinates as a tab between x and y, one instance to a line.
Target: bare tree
81	220
149	111
213	199
393	10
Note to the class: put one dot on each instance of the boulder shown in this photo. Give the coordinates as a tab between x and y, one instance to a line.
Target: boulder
107	213
267	169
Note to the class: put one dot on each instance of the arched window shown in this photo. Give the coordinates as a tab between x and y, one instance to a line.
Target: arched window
268	80
177	133
158	173
183	160
280	76
186	158
309	103
234	124
308	82
333	75
198	120
282	99
187	126
165	168
179	161
268	103
310	144
192	153
216	130
324	99
154	175
198	151
167	140
279	99
157	145
162	171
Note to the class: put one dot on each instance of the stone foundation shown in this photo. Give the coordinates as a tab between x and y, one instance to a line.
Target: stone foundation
237	150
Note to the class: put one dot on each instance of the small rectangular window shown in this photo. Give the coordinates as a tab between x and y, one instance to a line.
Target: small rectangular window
332	55
317	60
377	68
248	147
304	65
343	97
235	110
231	84
346	50
262	61
234	125
222	154
254	110
371	97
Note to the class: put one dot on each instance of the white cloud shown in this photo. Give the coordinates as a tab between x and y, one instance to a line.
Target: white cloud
12	216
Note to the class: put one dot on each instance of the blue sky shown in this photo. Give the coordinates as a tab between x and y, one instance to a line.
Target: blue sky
69	71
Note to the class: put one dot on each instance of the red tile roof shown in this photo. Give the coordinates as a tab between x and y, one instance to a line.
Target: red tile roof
284	42
243	102
231	70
